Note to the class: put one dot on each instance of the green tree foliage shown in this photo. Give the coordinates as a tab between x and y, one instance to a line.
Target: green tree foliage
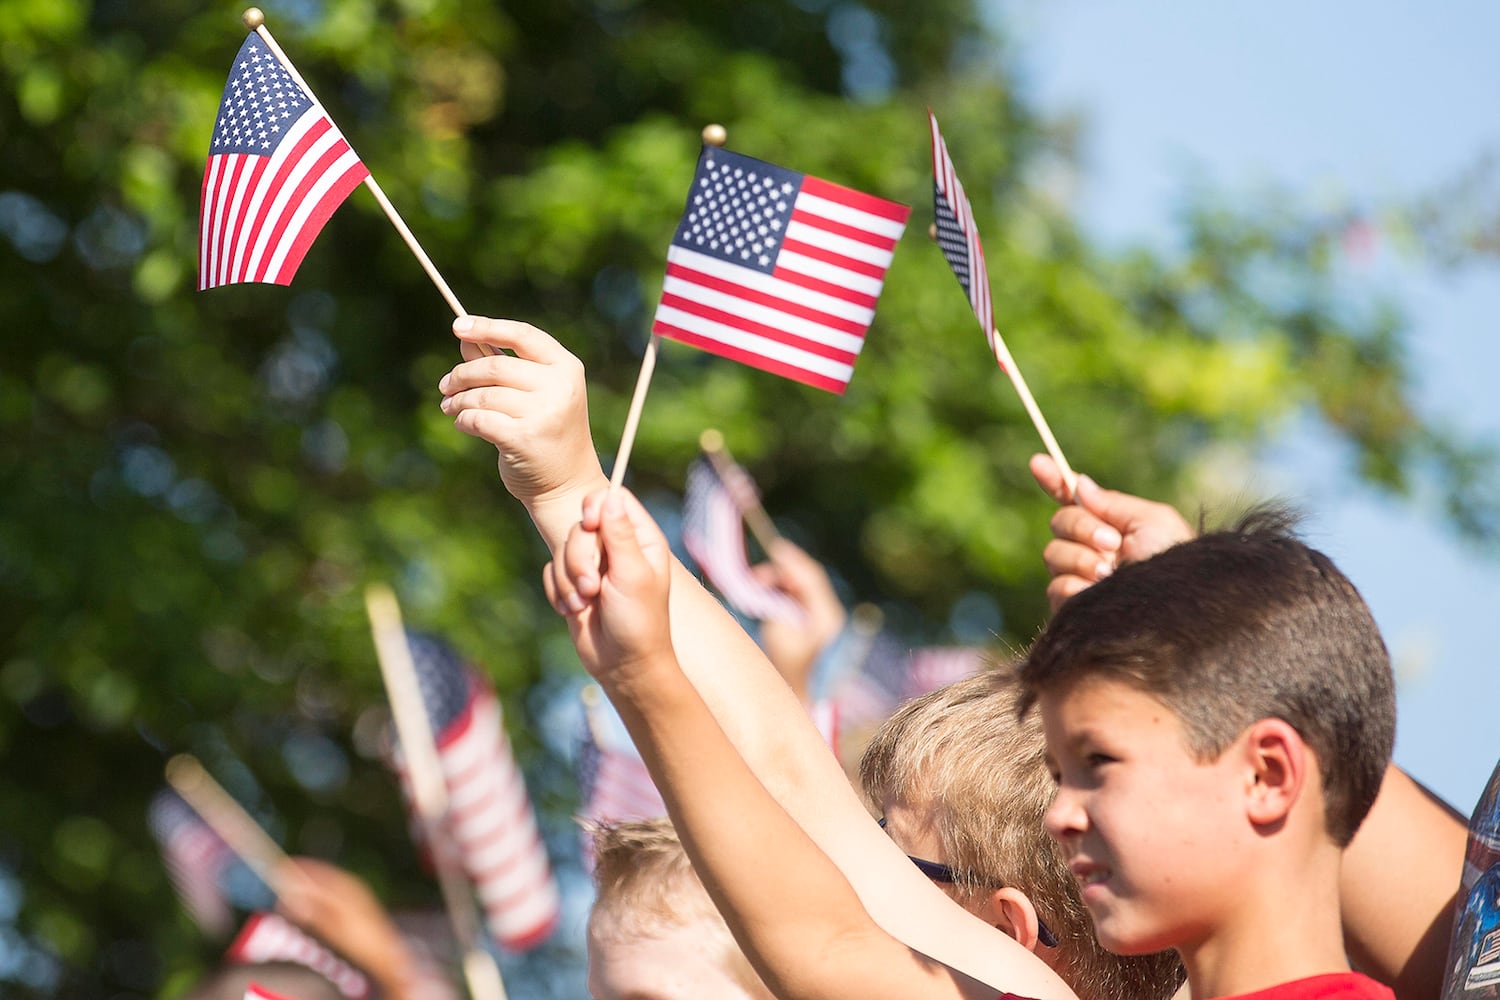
197	486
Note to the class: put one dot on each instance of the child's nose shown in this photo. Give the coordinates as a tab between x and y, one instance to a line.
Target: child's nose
1064	817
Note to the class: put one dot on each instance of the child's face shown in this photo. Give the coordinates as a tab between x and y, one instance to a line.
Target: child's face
670	964
1149	831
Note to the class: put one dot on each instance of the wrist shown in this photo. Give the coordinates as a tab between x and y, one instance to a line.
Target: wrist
555	512
641	684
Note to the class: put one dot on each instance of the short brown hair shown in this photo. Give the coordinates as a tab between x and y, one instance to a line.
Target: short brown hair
964	752
645	883
1233	627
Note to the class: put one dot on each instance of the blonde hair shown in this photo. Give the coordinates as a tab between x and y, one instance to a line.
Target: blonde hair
645	885
962	753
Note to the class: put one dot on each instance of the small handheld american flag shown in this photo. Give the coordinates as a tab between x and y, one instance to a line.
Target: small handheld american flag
776	269
277	169
196	858
490	818
713	532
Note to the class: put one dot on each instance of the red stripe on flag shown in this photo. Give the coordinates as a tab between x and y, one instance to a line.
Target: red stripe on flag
739	322
836	259
203	230
855	233
826	287
751	358
765	299
856	199
309	179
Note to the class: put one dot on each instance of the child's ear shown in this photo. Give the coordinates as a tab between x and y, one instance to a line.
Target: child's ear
1010	910
1280	766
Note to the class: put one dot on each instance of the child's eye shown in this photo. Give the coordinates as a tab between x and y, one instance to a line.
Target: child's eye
1099	759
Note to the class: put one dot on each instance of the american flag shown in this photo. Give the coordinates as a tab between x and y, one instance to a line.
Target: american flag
957	234
777	269
277	168
613	783
270	937
713	532
490	821
195	857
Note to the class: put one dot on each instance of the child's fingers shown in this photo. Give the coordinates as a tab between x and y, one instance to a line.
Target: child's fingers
526	340
1083	527
1050	478
1071	559
648	534
1063	587
579	567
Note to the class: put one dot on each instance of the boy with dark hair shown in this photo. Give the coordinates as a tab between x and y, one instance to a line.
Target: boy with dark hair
1219	718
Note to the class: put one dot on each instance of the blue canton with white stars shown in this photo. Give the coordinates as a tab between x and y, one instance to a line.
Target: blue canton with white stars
442	678
950	239
261	101
738	209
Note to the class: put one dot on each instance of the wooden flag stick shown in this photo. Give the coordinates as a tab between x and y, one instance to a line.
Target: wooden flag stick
430	793
255	20
761	526
633	417
229	820
1008	365
712	135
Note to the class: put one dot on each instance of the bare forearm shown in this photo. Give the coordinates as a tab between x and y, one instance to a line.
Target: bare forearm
1410	849
795	916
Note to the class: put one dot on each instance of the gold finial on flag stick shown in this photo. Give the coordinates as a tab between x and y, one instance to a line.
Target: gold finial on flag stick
229	820
734	478
429	791
715	134
1008	365
255	20
932	232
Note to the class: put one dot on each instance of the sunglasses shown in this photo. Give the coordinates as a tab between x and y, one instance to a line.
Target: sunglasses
942	873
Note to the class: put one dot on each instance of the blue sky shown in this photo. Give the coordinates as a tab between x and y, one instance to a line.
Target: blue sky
1364	103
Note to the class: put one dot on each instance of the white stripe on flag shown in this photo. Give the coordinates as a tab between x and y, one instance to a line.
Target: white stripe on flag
842	245
797	263
848	215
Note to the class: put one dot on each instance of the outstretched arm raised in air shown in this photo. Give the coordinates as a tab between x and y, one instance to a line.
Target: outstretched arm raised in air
793	913
532	407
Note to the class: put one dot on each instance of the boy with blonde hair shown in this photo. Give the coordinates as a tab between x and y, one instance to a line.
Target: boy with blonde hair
653	930
961	782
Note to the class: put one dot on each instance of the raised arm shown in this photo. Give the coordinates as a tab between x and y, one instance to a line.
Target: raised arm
532	407
1399	887
794	915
